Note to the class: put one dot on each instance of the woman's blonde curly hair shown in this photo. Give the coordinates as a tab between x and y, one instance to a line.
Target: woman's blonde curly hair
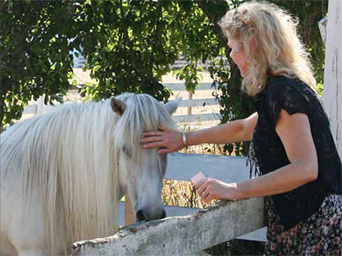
278	49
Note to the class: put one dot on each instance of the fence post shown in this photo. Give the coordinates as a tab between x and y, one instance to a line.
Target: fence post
190	95
333	71
40	105
129	212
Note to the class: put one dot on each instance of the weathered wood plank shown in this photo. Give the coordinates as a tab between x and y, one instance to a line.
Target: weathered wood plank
198	102
129	212
40	108
181	235
196	118
332	93
181	86
31	109
172	211
200	253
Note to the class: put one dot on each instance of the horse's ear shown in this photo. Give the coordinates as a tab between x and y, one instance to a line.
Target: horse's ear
171	106
117	105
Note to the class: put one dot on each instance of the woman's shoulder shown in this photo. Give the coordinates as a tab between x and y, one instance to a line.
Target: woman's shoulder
282	86
279	82
290	94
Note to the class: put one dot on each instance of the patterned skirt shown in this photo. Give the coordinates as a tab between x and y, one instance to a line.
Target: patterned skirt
320	234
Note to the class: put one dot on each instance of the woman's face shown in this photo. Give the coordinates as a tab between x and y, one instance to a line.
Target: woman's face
238	56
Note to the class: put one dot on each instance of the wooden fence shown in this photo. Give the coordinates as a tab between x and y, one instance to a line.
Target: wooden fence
187	235
182	167
187	231
39	108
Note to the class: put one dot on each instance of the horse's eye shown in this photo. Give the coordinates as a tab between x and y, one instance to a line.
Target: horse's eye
126	152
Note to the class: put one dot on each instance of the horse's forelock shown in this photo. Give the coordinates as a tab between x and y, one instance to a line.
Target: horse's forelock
143	113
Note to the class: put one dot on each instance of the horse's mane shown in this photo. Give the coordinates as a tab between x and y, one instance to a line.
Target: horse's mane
69	156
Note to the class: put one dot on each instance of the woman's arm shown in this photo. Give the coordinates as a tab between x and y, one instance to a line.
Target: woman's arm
235	131
295	134
171	140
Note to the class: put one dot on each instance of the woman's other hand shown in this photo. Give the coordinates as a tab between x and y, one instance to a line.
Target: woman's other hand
165	139
210	189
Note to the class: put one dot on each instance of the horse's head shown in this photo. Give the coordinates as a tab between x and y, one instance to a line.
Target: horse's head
141	171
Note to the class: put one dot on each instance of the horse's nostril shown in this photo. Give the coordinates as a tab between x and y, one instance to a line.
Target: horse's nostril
145	215
141	215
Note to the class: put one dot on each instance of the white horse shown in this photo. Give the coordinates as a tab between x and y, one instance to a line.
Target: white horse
63	173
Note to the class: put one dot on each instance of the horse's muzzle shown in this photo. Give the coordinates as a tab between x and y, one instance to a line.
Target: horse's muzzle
145	215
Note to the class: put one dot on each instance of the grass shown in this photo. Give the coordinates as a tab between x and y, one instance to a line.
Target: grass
183	194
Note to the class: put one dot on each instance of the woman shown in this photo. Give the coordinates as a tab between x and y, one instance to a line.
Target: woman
291	140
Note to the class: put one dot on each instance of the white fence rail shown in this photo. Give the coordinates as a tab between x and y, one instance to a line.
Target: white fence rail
39	107
80	60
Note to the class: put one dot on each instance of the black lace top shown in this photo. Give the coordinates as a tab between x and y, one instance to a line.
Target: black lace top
295	96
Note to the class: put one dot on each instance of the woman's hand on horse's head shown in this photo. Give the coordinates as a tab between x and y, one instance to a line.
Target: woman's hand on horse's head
167	140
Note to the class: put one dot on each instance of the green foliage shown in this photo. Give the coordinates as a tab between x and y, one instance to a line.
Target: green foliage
129	45
199	37
134	43
309	13
234	103
34	53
